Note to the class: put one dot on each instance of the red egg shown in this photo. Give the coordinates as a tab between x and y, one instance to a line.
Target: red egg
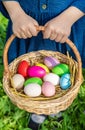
22	68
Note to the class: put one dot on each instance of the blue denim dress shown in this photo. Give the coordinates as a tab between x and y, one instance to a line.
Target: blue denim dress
43	11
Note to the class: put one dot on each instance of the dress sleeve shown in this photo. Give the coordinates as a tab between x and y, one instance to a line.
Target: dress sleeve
3	10
80	4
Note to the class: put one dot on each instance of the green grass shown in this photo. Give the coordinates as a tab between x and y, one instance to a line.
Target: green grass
12	118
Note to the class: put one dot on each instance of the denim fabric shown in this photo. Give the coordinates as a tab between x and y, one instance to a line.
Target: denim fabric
43	11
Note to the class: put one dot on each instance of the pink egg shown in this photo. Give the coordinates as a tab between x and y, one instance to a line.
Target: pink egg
50	62
36	71
48	89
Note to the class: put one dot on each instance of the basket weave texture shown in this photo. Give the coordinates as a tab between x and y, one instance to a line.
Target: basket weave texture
42	105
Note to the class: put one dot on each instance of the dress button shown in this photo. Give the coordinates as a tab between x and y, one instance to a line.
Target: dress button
44	6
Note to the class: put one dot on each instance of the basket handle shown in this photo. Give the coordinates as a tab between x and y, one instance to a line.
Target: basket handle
42	28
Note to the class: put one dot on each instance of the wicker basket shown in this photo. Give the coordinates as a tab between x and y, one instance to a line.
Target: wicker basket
42	105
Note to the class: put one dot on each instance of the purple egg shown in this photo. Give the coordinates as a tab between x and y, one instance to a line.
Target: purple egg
50	62
36	71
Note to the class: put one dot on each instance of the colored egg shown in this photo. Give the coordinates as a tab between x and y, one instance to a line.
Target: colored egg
17	81
22	68
61	69
48	89
43	66
32	90
36	71
50	61
33	80
65	81
53	78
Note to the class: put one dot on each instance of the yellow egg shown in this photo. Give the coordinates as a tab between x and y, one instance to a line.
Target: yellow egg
43	66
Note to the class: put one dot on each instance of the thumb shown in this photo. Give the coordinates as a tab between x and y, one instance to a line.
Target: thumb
46	32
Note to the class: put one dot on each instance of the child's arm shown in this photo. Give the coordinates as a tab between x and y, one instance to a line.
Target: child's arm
59	28
23	25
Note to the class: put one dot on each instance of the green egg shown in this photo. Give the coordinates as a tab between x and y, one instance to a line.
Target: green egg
33	80
61	69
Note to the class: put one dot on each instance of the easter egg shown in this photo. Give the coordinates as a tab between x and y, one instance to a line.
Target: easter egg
65	81
61	69
32	90
53	78
36	71
50	61
17	81
33	80
22	68
43	66
48	89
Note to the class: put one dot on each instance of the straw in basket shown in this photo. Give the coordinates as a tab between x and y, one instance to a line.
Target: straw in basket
42	105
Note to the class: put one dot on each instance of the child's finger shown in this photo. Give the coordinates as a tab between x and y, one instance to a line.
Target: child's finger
53	36
64	38
29	35
59	37
23	35
33	30
46	33
17	35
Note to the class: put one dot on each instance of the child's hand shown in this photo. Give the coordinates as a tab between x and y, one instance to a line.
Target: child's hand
24	26
57	29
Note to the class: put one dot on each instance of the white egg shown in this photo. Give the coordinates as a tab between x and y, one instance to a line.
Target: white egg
17	81
53	78
32	90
